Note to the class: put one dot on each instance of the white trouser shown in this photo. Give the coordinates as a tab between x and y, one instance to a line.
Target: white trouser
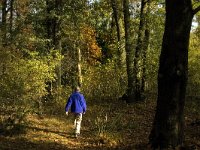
77	122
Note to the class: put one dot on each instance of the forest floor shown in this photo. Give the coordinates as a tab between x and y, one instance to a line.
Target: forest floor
107	125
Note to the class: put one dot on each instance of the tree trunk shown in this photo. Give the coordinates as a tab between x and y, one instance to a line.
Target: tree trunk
144	57
119	60
11	18
79	67
168	126
53	23
57	24
145	48
116	17
4	27
49	22
57	38
115	14
140	51
129	52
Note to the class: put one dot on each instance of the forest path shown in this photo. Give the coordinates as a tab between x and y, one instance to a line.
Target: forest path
50	133
121	127
124	127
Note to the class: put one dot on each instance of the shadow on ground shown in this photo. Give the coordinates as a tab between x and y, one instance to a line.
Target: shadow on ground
24	144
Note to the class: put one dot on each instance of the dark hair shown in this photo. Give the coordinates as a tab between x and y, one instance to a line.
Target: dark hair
77	89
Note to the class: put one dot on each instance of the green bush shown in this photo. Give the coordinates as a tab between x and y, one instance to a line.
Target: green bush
104	82
23	84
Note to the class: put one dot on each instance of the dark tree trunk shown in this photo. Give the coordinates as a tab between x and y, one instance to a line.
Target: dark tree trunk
168	126
129	52
57	24
11	18
115	14
53	22
144	57
116	18
50	22
57	38
3	26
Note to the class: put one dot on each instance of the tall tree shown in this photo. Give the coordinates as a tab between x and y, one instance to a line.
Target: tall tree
53	28
53	22
3	24
129	51
11	17
115	9
78	17
140	51
168	126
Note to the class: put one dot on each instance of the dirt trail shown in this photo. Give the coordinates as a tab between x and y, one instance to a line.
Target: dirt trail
127	128
51	133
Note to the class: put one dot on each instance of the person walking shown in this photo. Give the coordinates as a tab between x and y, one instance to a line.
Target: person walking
77	103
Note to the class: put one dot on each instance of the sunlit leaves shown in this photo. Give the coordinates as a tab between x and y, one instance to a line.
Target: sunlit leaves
194	65
23	80
91	50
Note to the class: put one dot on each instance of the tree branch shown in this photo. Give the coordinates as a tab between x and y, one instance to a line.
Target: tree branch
196	10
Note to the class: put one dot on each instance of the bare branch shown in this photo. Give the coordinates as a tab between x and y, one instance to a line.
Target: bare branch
196	10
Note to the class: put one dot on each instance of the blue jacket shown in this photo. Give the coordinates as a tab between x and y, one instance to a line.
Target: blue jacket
76	102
